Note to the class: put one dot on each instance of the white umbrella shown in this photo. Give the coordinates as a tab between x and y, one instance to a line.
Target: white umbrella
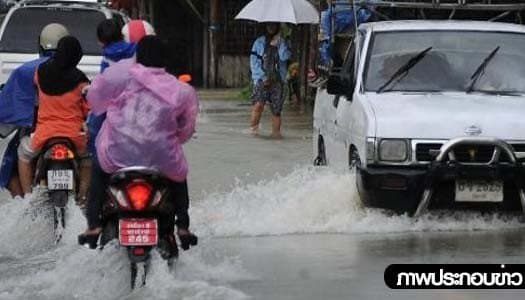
282	11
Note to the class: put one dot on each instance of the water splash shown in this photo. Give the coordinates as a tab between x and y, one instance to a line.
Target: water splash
308	200
69	271
319	200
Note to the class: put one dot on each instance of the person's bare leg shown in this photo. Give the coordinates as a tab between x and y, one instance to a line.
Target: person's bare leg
85	175
14	187
276	127
257	111
25	173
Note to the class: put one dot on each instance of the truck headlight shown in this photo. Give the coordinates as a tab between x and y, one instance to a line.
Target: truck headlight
393	150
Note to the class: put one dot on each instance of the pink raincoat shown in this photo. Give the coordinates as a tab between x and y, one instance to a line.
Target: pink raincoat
150	114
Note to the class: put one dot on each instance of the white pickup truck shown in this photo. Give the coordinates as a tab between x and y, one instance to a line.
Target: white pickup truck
430	114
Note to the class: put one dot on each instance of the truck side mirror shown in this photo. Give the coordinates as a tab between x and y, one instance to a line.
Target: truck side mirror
337	85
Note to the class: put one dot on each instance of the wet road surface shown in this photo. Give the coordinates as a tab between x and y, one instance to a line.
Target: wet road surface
271	227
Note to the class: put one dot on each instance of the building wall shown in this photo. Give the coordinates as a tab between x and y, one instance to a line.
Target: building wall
234	43
233	71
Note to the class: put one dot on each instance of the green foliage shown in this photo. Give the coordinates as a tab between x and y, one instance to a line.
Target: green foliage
246	92
286	31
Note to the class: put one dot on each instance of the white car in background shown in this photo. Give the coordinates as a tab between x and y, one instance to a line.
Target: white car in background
430	114
24	21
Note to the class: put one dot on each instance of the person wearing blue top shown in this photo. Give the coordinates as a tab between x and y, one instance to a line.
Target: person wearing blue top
268	64
18	103
115	49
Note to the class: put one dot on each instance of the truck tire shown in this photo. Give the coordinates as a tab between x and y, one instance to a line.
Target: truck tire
320	160
354	165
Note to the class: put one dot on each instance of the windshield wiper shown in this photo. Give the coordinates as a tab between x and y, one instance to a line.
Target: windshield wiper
481	70
403	70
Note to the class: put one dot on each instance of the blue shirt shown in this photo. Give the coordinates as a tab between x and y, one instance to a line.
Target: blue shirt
114	52
256	59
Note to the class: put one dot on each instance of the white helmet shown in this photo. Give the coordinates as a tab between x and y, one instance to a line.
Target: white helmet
50	35
135	30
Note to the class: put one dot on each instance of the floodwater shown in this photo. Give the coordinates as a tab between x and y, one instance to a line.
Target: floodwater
271	226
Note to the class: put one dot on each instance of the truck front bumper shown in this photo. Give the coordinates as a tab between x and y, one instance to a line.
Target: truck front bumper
415	189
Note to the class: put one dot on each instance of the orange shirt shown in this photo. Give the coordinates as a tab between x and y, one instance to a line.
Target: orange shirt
61	116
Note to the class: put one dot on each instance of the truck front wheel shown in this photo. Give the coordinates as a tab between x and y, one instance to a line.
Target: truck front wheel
320	160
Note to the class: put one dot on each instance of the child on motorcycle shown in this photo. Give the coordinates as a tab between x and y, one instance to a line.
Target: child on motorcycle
150	114
62	111
115	49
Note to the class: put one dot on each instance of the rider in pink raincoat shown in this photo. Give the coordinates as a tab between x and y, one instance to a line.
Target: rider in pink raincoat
150	112
149	116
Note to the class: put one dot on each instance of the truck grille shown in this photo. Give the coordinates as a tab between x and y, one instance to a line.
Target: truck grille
426	152
423	151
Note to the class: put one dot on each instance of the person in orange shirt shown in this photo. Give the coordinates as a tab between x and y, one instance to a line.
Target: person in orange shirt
62	111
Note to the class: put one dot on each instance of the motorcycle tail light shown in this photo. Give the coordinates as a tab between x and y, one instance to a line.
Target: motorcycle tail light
138	194
61	152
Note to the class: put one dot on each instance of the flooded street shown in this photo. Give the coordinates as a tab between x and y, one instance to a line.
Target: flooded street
271	226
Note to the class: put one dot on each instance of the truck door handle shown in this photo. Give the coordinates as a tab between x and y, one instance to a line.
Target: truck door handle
335	122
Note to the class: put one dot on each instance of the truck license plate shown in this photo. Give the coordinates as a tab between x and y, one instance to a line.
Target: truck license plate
479	191
138	232
60	180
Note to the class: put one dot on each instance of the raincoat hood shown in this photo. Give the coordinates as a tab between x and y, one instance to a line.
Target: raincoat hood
156	80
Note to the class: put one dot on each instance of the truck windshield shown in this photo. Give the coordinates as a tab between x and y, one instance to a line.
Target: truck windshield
24	26
449	66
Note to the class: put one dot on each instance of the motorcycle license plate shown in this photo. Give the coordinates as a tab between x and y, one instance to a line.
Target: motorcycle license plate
60	180
479	191
138	232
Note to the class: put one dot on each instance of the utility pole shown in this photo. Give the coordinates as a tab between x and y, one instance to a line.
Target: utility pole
213	29
151	12
205	46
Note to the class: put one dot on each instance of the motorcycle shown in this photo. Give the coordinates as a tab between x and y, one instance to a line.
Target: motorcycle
57	173
138	214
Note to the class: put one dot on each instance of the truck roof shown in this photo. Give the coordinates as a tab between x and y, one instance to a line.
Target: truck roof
74	4
442	25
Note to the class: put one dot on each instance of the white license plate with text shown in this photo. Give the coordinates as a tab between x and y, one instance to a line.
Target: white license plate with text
479	191
60	180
